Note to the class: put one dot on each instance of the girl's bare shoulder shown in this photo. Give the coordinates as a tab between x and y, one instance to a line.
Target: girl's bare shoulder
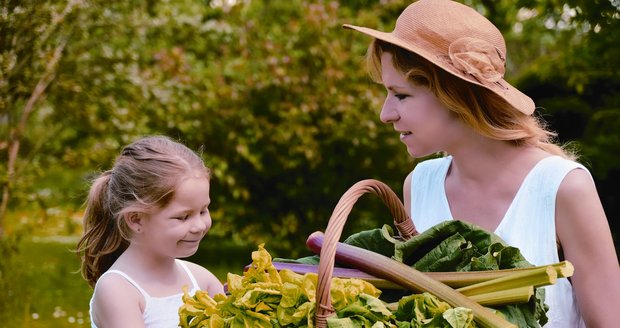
115	298
113	286
205	278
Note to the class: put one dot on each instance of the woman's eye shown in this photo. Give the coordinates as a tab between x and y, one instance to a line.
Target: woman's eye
400	96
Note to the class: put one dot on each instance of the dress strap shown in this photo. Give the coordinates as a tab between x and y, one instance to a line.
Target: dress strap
131	281
189	273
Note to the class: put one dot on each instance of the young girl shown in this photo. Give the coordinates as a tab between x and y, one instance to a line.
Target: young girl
443	68
149	210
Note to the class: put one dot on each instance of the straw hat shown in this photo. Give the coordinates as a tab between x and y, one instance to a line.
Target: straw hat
459	40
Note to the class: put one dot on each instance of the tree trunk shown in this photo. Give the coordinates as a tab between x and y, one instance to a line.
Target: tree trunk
17	133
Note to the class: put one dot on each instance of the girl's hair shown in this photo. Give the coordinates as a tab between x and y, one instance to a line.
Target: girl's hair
145	176
479	108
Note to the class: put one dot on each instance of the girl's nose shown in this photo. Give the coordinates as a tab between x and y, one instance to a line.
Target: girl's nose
388	112
201	224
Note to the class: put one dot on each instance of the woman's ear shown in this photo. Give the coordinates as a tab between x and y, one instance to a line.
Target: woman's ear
134	221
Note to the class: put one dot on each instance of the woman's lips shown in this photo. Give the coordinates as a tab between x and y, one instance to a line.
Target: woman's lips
404	135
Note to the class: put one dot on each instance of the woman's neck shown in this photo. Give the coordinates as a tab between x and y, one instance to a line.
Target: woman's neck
485	159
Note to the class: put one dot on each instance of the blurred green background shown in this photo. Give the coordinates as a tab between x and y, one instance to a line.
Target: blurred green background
276	96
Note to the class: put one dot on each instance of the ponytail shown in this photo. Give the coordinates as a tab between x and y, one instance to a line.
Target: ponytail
103	240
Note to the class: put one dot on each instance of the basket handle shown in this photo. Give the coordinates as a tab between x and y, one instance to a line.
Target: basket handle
333	233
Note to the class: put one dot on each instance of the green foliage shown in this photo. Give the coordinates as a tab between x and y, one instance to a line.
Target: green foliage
276	94
297	124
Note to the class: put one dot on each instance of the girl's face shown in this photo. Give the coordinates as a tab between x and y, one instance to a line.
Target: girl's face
176	230
424	124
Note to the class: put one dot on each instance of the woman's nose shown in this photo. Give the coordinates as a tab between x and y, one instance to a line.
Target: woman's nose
388	112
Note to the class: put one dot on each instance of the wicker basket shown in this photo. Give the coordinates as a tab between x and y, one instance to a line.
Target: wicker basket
333	233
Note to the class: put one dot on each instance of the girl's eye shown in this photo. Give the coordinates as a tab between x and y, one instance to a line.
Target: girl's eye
182	218
205	211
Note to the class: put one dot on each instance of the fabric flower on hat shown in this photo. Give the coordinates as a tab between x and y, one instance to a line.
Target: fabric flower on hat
478	58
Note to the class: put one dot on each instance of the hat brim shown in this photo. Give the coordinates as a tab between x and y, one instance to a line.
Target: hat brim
502	88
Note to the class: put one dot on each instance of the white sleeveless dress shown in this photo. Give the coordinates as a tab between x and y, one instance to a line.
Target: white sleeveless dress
159	312
529	223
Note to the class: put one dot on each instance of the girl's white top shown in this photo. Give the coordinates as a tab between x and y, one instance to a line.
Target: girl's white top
529	223
159	312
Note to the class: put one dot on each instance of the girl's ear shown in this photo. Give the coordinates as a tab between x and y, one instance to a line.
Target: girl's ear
134	221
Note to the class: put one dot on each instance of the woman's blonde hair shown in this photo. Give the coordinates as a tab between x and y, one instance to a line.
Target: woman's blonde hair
144	177
482	110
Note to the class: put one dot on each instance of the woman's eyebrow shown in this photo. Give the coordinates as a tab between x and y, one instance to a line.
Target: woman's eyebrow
396	88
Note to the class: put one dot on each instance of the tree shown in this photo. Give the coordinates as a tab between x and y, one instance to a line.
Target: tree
32	38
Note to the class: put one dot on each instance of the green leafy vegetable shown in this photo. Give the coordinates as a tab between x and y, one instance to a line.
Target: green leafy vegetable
459	246
266	297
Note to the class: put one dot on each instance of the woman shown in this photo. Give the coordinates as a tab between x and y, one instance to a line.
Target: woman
443	68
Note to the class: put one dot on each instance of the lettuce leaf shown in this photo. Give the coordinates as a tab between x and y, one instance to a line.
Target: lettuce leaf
265	297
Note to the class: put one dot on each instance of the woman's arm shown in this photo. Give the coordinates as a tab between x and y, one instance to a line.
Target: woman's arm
117	304
407	194
586	239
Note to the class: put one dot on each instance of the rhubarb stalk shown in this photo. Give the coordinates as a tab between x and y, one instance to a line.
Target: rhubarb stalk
542	276
387	268
453	279
505	296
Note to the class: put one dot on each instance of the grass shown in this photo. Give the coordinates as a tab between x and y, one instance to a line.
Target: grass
45	288
48	291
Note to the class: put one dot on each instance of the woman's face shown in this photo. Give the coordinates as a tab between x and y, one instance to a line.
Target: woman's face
424	124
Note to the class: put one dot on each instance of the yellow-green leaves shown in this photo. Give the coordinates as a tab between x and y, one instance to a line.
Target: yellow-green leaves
347	291
459	317
262	297
426	310
266	297
196	309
